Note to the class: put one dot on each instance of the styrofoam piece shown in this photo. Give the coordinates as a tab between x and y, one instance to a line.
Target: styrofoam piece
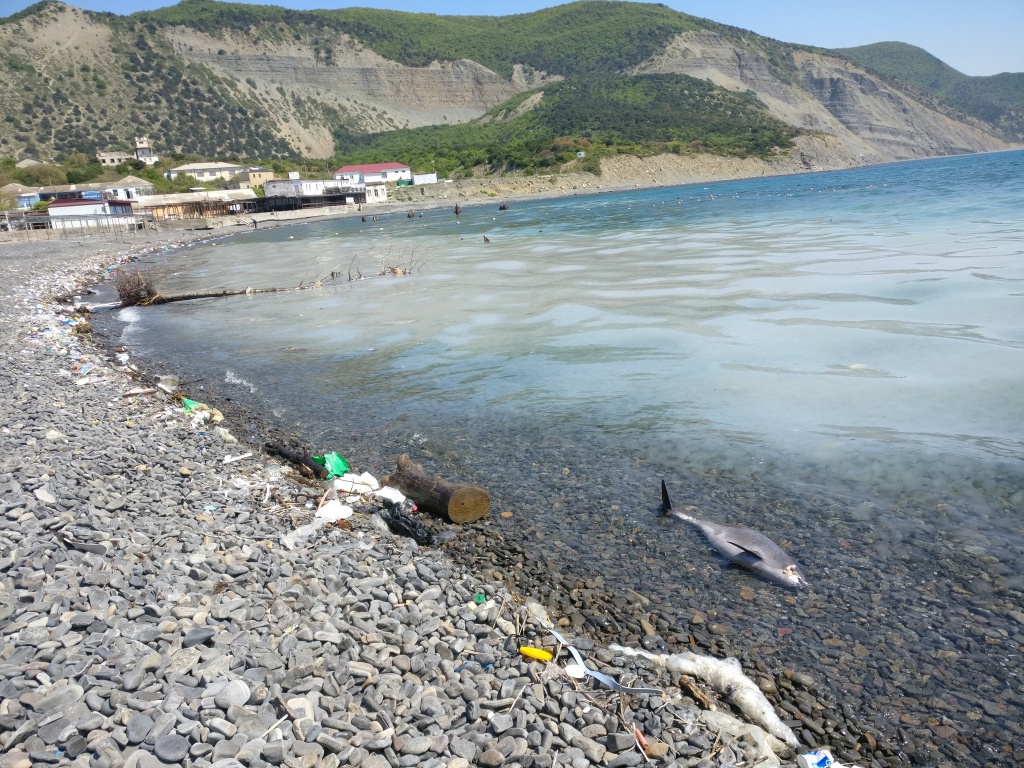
388	493
333	511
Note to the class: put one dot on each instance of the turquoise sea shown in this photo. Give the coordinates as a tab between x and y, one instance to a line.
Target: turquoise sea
836	359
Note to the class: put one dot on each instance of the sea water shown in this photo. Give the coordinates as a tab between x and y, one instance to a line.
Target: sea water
836	359
863	327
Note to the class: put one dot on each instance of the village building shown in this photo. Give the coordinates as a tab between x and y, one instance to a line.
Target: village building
144	151
114	157
20	194
206	171
316	191
87	214
252	178
424	178
128	188
373	173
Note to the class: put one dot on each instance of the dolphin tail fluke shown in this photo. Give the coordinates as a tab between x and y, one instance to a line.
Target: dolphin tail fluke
666	502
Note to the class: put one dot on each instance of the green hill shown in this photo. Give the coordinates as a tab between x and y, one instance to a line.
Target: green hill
996	99
580	37
601	115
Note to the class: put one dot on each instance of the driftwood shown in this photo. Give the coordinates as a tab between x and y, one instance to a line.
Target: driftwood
303	461
134	289
459	503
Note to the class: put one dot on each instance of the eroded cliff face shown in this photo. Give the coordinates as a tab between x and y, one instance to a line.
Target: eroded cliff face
370	92
875	121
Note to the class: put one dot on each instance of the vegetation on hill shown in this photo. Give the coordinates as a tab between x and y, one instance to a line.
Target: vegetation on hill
582	37
996	99
632	115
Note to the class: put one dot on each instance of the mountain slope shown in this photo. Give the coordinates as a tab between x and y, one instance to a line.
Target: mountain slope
995	99
233	80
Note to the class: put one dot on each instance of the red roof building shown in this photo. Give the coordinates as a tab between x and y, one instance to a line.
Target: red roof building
374	173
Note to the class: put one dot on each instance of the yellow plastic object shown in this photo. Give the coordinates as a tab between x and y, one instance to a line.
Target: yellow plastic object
535	653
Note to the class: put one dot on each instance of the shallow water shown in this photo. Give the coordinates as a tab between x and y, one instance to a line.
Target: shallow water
835	359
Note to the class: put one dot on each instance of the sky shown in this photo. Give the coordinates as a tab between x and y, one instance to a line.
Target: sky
981	37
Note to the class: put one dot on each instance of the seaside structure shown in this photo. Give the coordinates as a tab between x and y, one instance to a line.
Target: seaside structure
206	171
127	188
198	205
89	214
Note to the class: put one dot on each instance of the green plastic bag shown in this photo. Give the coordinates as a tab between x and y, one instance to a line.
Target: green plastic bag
189	405
334	463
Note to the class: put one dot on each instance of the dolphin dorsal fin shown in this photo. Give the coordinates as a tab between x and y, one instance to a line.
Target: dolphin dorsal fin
666	502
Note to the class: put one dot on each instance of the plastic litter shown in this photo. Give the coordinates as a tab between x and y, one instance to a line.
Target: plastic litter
725	676
202	411
389	494
334	463
819	758
353	483
333	511
536	653
300	534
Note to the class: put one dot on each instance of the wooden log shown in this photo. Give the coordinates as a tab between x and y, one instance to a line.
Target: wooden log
459	503
303	461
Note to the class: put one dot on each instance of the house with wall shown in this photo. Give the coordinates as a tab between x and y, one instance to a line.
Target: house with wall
87	214
128	188
206	171
144	151
373	173
114	157
252	178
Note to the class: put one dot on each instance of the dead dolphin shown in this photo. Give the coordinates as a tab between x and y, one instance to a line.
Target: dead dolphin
749	548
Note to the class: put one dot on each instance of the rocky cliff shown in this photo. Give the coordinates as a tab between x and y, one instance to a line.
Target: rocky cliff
876	122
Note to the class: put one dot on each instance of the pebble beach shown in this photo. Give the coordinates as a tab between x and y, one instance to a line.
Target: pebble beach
156	608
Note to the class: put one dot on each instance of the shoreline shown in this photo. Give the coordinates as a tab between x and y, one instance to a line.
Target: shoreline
890	750
129	502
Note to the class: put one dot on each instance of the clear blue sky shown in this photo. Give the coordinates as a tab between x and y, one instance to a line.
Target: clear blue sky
980	37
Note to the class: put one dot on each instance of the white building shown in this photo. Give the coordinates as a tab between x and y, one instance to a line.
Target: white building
373	173
313	188
206	171
144	151
128	188
424	178
83	214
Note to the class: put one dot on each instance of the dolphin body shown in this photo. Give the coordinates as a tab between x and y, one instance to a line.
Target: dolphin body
749	548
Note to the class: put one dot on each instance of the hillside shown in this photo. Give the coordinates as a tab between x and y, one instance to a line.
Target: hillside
258	82
996	99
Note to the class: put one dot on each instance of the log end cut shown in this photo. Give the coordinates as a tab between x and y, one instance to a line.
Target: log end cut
468	503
